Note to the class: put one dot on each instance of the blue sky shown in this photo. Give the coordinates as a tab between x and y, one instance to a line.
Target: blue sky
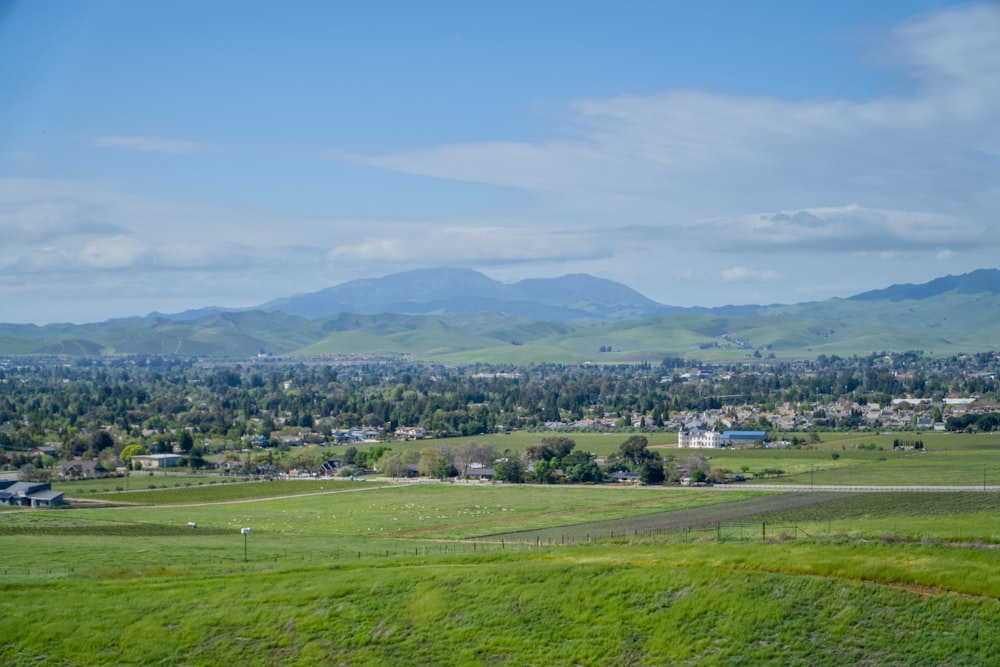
173	155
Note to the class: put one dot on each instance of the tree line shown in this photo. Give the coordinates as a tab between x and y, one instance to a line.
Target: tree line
154	401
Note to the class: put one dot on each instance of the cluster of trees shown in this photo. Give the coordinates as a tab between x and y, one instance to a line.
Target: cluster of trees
981	423
167	402
554	460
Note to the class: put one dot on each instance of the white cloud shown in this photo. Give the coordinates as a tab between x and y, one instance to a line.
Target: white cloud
741	274
115	252
153	144
463	246
683	155
838	229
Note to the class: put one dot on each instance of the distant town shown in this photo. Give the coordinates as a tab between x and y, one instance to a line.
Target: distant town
78	418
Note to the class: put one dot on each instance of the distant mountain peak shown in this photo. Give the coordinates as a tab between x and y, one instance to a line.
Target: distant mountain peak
452	291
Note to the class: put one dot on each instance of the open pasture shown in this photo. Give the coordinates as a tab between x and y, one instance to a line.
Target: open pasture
136	481
672	524
604	443
421	510
234	490
858	467
793	604
386	574
971	516
933	440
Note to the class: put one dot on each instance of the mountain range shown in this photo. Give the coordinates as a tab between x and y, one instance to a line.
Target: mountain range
462	316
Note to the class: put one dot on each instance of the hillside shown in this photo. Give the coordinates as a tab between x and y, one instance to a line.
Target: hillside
571	319
975	282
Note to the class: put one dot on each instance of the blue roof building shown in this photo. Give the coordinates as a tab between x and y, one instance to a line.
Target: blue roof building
732	437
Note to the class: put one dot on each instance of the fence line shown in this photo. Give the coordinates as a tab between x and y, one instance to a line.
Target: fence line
720	531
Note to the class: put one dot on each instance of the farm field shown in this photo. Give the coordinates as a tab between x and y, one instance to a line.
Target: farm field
357	573
860	467
601	444
209	490
606	443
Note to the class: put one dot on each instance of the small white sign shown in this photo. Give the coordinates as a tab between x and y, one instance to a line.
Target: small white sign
245	531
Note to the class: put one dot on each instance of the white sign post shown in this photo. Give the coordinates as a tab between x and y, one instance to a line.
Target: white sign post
245	531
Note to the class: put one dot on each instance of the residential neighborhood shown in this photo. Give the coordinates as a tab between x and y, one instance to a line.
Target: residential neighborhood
329	419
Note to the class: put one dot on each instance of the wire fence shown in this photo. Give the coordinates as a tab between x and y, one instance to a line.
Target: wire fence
721	531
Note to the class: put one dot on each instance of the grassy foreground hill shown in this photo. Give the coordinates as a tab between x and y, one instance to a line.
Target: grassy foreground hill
339	573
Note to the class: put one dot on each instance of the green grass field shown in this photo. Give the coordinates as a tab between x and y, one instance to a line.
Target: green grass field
339	572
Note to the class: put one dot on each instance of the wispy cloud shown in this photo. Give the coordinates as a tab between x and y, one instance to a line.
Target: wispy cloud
676	157
154	144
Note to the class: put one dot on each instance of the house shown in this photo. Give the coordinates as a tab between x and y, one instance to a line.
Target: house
624	477
149	461
45	450
356	435
29	494
482	474
696	438
289	440
330	468
82	469
411	432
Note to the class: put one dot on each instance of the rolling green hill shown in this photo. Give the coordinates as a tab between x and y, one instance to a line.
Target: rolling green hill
949	317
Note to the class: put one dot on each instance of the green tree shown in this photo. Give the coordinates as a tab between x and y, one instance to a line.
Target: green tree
392	464
186	442
544	472
370	458
509	469
581	468
442	469
634	450
717	476
132	450
196	457
431	462
102	440
559	446
107	458
651	471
